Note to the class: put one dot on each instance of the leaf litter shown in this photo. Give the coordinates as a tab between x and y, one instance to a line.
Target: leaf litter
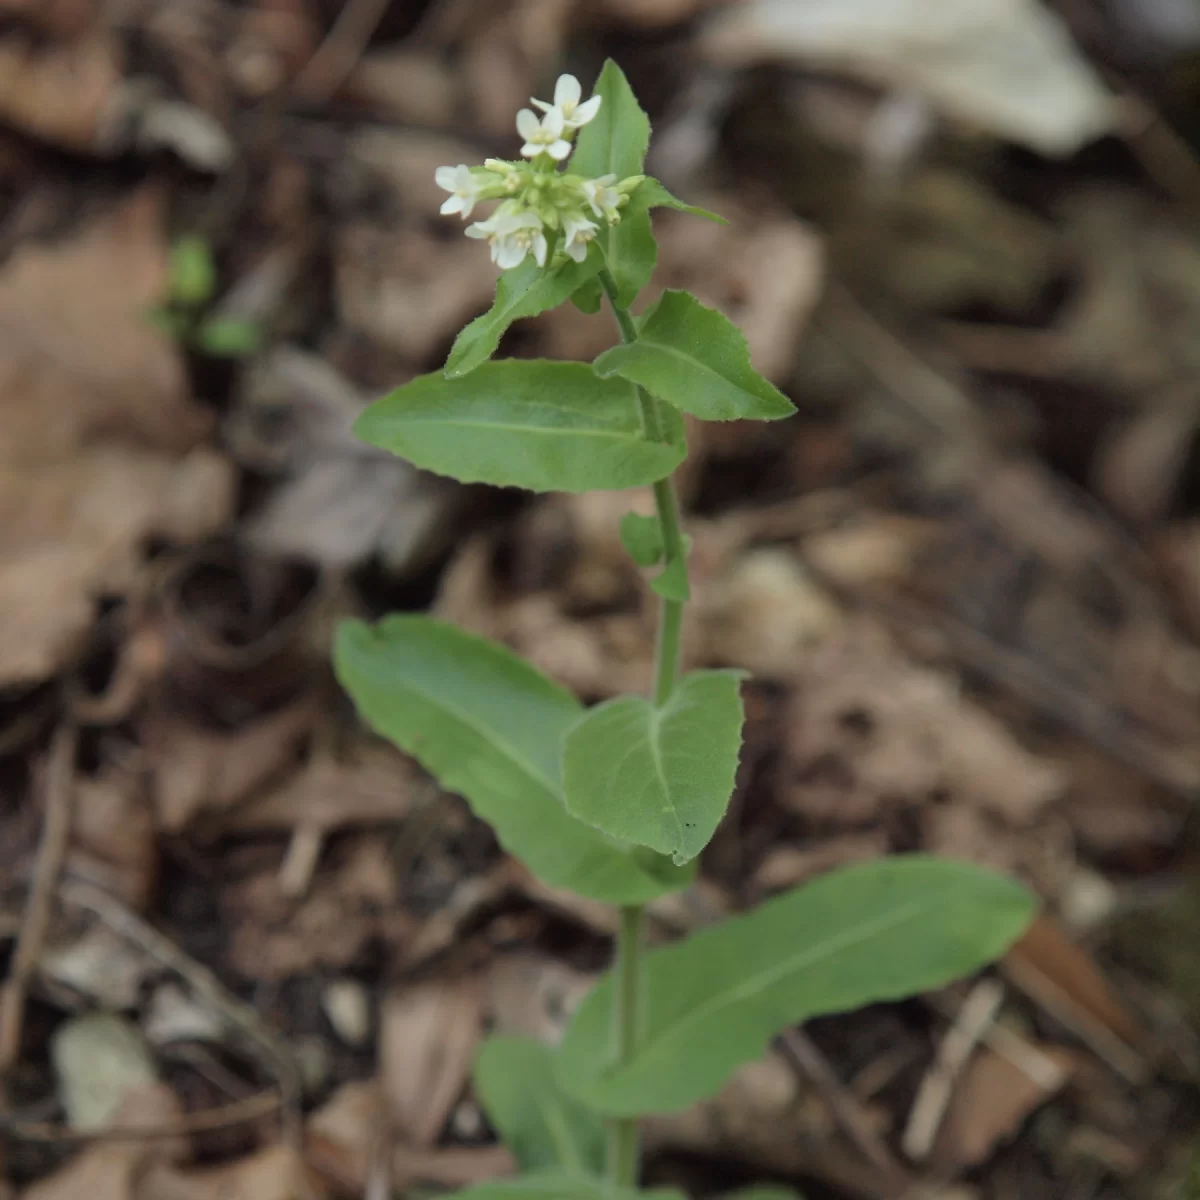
964	577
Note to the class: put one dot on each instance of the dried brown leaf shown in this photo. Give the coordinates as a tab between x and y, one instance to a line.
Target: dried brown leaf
427	1040
991	1101
273	1173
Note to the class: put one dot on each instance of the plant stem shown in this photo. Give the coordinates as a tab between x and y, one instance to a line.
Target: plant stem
623	1149
623	1143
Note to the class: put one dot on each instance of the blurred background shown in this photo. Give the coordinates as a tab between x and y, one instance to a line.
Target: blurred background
963	238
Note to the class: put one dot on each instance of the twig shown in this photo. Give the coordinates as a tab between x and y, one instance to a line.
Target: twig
56	832
798	1047
335	57
205	1120
273	1050
976	1016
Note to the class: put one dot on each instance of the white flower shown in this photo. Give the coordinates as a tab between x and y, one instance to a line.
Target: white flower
544	136
463	184
566	99
512	235
578	231
603	197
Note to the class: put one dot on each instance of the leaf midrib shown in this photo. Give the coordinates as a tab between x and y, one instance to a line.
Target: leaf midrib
683	356
635	436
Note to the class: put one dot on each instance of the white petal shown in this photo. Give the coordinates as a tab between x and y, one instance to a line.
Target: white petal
528	124
509	254
539	250
540	104
452	205
530	150
576	250
446	177
567	91
604	180
553	124
585	112
468	205
476	231
558	150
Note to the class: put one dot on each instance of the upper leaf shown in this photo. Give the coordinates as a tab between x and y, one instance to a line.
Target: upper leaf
536	1119
651	194
642	538
696	359
490	727
661	776
558	1185
524	291
615	141
529	423
856	936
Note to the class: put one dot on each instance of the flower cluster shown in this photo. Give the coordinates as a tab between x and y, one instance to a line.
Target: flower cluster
542	211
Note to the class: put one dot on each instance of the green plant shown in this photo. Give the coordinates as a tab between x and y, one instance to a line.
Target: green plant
615	802
184	317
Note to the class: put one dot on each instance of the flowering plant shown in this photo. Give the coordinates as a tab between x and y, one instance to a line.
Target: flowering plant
617	801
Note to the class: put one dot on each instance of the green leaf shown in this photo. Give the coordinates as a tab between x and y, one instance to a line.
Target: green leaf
642	538
524	291
174	324
651	194
659	776
696	359
558	1185
490	727
226	337
672	582
614	142
193	273
529	423
856	936
536	1119
588	296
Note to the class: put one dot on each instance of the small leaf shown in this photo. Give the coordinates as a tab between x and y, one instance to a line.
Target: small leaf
529	423
651	194
536	1120
659	776
226	337
642	538
490	727
696	359
587	297
614	142
857	936
524	291
672	582
558	1185
193	273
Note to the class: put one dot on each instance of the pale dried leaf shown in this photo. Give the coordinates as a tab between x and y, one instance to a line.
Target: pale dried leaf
67	93
427	1041
273	1173
100	1060
1006	66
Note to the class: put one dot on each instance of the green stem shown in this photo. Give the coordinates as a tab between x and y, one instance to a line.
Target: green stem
623	1148
623	1144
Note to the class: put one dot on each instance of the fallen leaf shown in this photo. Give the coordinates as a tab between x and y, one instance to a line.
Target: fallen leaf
427	1040
100	1060
74	528
375	788
111	1169
197	769
1006	66
991	1100
273	1173
112	836
534	996
67	93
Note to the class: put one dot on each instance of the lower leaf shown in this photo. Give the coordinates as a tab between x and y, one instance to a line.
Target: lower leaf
854	937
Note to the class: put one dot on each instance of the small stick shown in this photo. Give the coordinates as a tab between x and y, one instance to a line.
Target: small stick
812	1065
56	833
336	56
976	1016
